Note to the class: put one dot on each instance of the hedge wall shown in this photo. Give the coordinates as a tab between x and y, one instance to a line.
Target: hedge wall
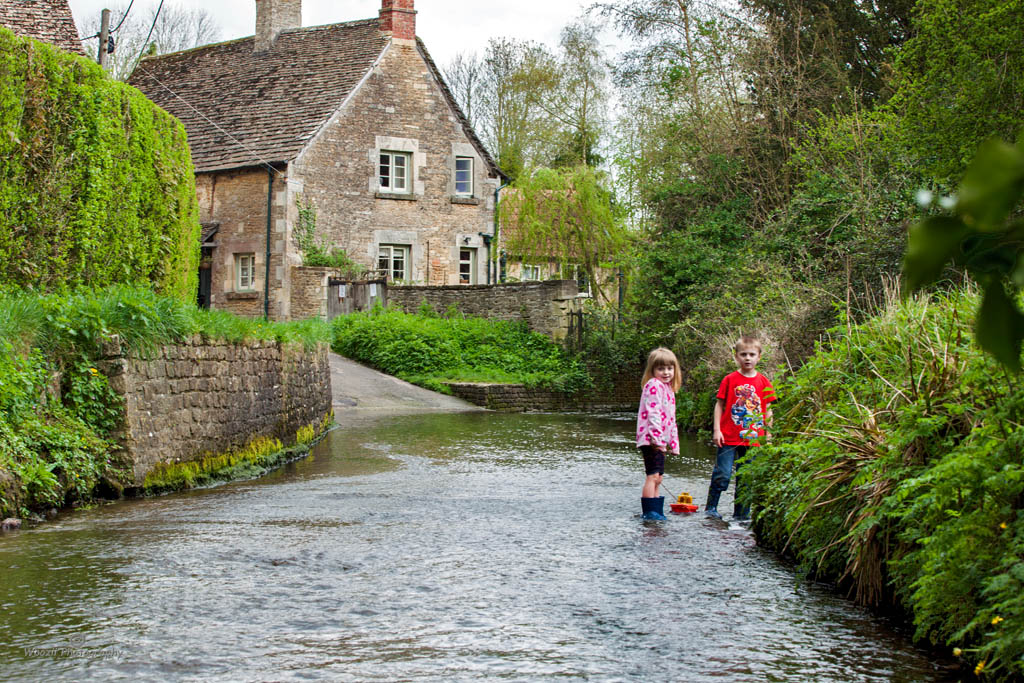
96	181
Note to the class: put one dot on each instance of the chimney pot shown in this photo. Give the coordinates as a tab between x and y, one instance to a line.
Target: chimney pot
398	17
274	16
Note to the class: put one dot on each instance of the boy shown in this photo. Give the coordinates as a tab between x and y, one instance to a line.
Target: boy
741	412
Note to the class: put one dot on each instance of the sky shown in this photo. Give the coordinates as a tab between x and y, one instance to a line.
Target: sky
447	27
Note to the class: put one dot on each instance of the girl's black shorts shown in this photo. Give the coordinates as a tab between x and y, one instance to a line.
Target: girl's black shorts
654	461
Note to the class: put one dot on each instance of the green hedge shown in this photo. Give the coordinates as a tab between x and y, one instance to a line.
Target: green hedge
426	349
96	183
898	472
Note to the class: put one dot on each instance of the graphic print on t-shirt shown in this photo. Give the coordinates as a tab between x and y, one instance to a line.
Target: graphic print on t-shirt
746	412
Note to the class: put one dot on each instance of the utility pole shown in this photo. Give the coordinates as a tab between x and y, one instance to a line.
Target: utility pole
104	35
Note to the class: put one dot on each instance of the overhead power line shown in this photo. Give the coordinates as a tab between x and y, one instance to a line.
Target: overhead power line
145	43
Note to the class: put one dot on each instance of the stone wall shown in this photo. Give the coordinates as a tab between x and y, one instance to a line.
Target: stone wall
309	291
544	306
201	397
238	201
399	108
516	398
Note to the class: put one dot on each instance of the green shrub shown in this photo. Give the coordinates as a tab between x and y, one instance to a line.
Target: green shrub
427	349
898	472
96	185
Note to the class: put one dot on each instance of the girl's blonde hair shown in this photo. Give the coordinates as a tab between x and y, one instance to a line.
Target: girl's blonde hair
659	357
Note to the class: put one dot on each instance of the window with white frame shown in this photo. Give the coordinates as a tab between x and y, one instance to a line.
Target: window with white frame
393	259
467	266
531	272
394	172
464	176
245	272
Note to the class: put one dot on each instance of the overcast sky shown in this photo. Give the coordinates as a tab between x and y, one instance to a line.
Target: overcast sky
448	27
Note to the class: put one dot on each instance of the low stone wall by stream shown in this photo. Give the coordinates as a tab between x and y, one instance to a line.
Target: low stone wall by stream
198	398
517	398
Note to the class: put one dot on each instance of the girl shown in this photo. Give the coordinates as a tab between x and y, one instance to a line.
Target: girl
656	431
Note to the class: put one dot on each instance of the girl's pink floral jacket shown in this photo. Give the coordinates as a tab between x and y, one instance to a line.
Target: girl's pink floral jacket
656	419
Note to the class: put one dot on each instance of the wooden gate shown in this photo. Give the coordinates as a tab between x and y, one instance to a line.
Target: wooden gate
346	296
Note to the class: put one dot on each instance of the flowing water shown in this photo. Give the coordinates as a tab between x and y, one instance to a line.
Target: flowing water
449	547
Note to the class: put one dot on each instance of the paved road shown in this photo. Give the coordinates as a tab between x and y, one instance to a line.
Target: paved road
359	390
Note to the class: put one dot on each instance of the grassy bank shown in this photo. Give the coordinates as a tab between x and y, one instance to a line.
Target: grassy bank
427	349
58	414
898	473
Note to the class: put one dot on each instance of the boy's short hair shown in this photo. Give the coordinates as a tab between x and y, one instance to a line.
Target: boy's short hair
747	340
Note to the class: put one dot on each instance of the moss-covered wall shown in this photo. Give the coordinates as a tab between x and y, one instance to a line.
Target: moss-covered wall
96	181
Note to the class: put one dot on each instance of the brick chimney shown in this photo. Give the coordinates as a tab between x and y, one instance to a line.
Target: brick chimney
398	18
274	16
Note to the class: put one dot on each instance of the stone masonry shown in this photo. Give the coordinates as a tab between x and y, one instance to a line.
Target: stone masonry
399	108
543	306
517	398
202	397
352	120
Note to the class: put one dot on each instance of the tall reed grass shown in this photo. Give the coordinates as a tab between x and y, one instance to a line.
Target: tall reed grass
898	473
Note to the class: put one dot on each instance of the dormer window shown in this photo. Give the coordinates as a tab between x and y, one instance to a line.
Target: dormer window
394	172
463	176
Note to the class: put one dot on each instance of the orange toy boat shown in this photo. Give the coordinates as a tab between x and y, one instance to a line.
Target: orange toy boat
683	504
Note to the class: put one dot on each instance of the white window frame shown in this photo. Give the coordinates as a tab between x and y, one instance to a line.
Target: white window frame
531	273
245	272
467	180
469	263
387	252
388	179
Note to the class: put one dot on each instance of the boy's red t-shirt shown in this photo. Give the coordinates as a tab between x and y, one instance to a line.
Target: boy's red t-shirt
746	401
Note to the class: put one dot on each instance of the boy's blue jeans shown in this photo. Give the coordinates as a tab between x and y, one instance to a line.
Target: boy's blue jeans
727	457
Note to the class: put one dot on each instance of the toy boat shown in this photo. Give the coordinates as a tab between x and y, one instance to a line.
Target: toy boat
683	504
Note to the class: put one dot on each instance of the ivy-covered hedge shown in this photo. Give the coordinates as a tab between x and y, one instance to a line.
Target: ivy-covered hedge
96	181
898	472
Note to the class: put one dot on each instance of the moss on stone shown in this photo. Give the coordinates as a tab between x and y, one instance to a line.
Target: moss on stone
256	458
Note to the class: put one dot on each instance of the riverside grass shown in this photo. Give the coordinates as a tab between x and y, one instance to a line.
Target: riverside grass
54	453
427	349
898	473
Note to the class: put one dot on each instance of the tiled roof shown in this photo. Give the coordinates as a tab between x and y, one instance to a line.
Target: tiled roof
46	20
241	108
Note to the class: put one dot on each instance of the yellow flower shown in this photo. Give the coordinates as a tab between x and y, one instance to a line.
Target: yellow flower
1002	525
94	371
996	620
957	652
981	667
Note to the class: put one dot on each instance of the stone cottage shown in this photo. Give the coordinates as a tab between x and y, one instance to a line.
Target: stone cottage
352	120
47	20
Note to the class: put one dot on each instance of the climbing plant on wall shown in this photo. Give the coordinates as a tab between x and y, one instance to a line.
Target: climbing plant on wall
97	184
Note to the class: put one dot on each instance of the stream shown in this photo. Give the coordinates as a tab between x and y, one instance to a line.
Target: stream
443	547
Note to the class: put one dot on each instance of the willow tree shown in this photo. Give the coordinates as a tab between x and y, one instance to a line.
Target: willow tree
563	215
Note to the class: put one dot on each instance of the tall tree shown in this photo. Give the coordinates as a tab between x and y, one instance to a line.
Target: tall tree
465	78
576	100
514	125
169	28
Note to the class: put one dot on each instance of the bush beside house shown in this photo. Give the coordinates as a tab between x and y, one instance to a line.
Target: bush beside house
96	184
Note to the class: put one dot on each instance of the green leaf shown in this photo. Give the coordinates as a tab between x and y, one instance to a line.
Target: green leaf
992	186
1000	327
932	243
